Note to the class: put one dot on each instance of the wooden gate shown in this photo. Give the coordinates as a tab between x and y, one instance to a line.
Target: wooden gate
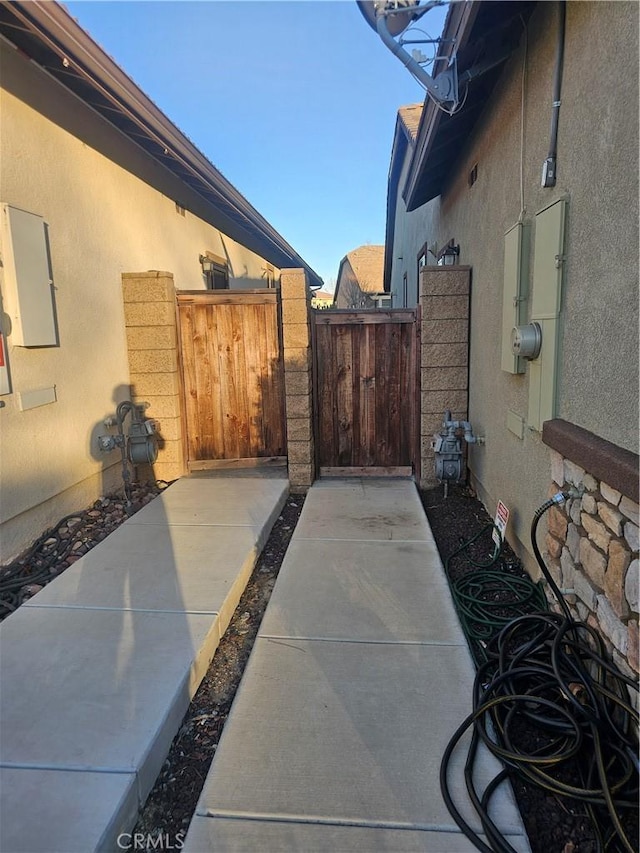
233	379
366	388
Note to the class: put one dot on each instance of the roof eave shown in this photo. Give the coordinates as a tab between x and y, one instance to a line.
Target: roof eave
79	55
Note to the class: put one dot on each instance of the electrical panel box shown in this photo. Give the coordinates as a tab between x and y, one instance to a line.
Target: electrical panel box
27	286
546	301
514	293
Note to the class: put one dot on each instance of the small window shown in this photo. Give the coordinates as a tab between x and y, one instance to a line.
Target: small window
215	270
268	274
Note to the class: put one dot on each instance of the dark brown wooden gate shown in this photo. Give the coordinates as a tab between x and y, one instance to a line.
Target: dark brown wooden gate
366	388
233	378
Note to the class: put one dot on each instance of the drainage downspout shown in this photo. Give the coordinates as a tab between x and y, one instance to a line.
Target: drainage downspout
549	168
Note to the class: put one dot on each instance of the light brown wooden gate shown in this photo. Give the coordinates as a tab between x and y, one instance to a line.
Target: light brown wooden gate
366	392
233	378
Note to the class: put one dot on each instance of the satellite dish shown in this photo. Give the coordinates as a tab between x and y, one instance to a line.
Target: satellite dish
401	14
390	18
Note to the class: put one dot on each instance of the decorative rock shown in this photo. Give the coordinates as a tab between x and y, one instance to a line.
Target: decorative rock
557	523
593	562
589	504
631	535
573	473
611	626
619	559
583	611
575	511
573	541
609	494
630	509
554	547
632	645
611	517
585	592
557	467
568	569
631	586
598	533
590	483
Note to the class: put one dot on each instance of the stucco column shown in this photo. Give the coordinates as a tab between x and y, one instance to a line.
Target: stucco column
150	318
444	367
296	337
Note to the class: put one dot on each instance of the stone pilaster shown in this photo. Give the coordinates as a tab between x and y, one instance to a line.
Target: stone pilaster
150	319
296	336
444	368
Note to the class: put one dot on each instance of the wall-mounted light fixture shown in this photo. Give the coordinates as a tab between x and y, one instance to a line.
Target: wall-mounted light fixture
215	270
449	255
206	264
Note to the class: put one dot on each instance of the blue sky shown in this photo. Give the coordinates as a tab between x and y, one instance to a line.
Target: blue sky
295	103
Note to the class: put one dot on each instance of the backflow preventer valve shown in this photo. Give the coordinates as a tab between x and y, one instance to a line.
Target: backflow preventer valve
448	448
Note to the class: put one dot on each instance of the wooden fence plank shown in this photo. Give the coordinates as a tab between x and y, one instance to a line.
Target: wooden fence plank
232	377
366	381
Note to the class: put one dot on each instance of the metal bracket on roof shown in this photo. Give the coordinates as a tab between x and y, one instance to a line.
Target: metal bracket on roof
390	18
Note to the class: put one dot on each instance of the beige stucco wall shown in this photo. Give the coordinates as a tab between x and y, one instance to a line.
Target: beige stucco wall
62	162
598	173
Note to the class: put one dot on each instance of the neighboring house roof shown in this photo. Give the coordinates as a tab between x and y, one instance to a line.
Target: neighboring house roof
52	39
410	118
323	296
367	264
407	124
484	33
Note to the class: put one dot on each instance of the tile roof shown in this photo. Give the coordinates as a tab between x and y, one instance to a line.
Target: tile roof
410	117
367	263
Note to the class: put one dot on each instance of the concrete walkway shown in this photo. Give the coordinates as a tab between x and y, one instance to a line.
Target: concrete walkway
97	670
358	678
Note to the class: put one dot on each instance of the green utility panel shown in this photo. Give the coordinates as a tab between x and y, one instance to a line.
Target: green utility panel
514	293
546	300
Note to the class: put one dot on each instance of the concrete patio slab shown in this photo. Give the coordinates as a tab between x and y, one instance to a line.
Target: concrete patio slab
365	510
371	591
80	811
250	502
249	836
106	689
99	668
348	732
182	568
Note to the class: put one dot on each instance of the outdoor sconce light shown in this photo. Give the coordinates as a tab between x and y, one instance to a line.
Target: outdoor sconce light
449	255
206	264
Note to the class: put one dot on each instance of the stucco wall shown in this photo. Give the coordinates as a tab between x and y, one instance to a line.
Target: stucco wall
597	173
62	162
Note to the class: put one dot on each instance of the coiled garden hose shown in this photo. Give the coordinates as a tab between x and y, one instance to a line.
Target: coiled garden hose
488	599
549	704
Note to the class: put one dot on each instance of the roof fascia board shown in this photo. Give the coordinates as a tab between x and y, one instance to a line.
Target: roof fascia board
59	30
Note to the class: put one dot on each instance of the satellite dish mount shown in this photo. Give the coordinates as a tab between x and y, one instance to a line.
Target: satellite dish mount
390	18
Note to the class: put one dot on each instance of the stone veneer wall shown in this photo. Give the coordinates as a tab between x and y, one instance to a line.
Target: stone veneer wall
295	299
444	365
150	319
592	553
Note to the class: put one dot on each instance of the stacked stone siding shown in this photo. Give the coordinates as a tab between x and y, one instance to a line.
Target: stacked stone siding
592	553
